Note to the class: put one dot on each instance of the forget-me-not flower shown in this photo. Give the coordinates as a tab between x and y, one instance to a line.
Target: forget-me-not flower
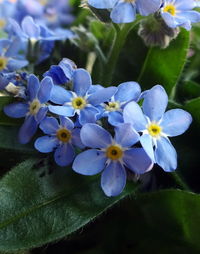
179	13
60	138
126	92
111	155
124	11
80	101
34	109
156	126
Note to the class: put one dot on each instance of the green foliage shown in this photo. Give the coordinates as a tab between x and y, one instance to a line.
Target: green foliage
193	106
36	210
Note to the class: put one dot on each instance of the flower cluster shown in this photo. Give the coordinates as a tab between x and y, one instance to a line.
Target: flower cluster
175	13
72	112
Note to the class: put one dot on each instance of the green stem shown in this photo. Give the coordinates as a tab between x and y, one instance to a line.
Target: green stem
118	43
180	181
144	65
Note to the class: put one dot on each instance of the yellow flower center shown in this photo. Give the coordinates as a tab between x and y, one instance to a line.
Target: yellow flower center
64	135
113	106
114	152
154	130
170	8
2	23
34	107
3	63
129	1
43	2
79	103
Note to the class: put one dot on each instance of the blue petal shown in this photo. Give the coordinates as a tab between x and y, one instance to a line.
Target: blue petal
184	4
59	95
33	86
27	130
113	179
128	91
46	144
49	125
147	144
66	123
102	4
30	28
115	118
88	115
146	7
125	135
192	16
76	139
134	115
45	89
102	95
68	67
123	12
41	114
137	160
64	155
16	110
175	122
57	74
15	64
81	82
89	162
165	155
155	103
62	110
94	136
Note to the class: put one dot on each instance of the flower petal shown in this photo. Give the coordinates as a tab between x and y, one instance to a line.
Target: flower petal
134	115
16	110
45	89
115	118
165	155
62	110
33	86
125	135
94	136
103	4
88	115
113	179
147	144
81	81
123	12
76	139
175	122
155	103
59	95
128	91
66	122
41	114
30	28
102	95
46	144
27	130
137	160
49	125
64	155
89	162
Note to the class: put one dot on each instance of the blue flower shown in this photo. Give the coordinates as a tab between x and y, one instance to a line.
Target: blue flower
197	3
10	60
179	13
126	92
111	156
123	11
60	138
34	109
156	126
81	101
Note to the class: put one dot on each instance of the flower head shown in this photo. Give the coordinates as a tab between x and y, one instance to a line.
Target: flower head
60	138
111	155
156	126
33	109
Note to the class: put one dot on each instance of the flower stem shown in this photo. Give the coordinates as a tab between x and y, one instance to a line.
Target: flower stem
118	43
180	181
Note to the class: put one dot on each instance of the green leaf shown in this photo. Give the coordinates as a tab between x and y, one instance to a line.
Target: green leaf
36	210
193	107
164	66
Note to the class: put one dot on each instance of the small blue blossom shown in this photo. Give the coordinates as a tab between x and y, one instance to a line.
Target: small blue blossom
126	92
156	126
123	11
80	101
179	13
60	138
34	109
10	60
111	156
